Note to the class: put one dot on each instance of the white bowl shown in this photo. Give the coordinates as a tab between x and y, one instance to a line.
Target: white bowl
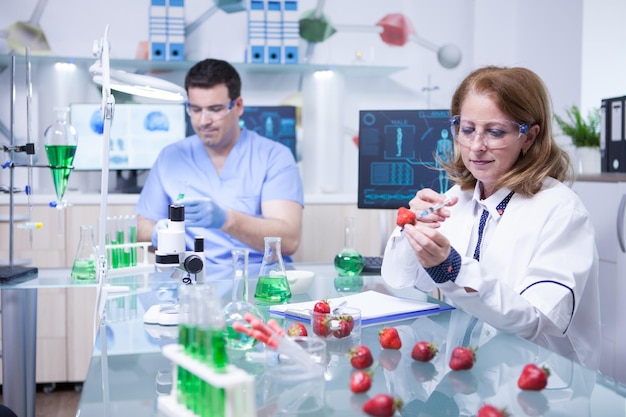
299	281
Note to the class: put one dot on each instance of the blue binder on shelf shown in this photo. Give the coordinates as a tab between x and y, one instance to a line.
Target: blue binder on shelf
256	32
158	30
291	32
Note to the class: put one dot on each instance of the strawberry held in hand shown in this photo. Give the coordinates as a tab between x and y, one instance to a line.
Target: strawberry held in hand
491	411
533	378
405	216
462	358
361	357
297	329
361	381
389	338
382	405
424	351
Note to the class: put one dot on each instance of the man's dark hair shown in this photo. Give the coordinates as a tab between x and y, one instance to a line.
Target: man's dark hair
211	72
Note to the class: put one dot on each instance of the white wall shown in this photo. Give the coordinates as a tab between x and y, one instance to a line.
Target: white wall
603	51
542	35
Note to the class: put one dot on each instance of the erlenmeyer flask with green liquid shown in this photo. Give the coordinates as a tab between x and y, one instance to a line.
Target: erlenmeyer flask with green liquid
60	140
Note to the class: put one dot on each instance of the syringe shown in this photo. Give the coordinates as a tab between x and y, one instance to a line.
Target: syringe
435	207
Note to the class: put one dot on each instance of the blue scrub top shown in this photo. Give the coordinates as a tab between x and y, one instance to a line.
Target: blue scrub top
257	169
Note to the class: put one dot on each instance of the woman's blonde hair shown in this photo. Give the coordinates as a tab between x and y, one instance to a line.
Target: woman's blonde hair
522	95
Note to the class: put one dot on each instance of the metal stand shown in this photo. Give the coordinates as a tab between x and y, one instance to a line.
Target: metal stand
19	335
19	308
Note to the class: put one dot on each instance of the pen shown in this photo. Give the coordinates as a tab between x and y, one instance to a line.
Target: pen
435	207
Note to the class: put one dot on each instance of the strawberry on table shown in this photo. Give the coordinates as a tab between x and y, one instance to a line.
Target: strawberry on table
533	378
382	405
297	329
405	216
424	351
462	358
322	306
361	357
321	325
360	381
389	338
488	410
343	330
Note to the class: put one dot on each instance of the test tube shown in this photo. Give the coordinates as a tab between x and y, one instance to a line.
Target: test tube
119	224
132	233
112	232
126	249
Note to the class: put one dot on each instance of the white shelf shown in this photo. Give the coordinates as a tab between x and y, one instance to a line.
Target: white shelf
143	65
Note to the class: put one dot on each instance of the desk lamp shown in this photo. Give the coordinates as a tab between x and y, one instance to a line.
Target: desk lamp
136	84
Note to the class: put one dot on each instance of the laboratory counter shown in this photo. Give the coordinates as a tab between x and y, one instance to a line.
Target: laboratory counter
128	372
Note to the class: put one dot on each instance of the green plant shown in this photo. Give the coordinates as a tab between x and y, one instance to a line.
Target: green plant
584	132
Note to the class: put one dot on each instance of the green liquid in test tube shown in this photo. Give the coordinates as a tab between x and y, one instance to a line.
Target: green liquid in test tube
120	240
112	226
132	233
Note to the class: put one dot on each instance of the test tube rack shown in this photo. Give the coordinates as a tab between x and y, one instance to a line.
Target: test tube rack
238	385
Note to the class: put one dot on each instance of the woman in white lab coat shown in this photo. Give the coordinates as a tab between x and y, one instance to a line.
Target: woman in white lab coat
514	246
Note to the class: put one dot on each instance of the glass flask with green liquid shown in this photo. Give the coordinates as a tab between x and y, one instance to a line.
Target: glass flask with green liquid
239	305
60	140
349	262
272	286
84	267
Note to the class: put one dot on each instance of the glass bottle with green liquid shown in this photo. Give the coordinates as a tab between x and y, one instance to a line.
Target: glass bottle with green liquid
239	306
272	286
60	141
349	262
84	266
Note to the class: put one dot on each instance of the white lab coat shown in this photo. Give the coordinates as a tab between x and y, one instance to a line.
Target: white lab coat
538	270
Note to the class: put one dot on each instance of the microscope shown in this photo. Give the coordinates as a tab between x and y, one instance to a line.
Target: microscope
172	254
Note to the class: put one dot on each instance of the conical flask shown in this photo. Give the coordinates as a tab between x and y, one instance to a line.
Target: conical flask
272	286
84	267
349	262
60	140
239	305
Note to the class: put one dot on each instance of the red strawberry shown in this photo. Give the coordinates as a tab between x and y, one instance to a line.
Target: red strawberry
361	357
321	325
424	351
405	216
533	378
343	330
389	338
322	306
350	320
360	381
297	329
491	411
462	358
382	405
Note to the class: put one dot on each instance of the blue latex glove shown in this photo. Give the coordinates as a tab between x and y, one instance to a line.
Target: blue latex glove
203	212
161	224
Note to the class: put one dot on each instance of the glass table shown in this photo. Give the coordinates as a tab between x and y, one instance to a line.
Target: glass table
128	372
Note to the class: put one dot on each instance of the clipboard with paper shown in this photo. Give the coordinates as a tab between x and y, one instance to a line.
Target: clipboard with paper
375	307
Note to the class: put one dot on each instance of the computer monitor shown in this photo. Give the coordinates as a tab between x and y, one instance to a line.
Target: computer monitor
274	122
397	151
138	133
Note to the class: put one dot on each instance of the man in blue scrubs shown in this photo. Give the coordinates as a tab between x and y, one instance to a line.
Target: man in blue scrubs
237	187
